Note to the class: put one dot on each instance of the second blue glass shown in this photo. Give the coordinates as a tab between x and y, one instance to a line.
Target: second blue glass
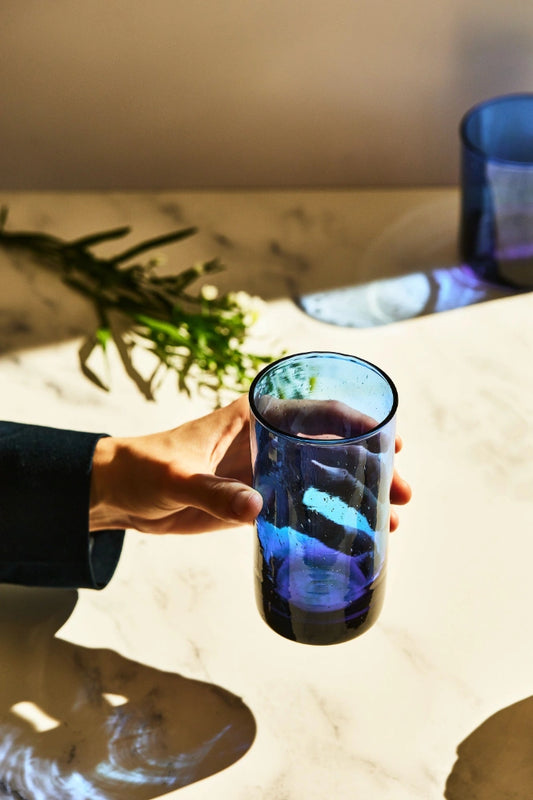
496	235
323	435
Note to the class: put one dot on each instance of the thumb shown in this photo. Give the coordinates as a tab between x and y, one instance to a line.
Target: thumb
225	498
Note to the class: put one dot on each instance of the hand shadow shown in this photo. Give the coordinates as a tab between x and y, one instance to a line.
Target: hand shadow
495	762
78	723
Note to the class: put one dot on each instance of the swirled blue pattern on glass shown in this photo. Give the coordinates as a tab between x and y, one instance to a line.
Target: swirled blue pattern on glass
323	443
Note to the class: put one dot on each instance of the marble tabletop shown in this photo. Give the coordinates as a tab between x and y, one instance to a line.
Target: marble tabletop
167	682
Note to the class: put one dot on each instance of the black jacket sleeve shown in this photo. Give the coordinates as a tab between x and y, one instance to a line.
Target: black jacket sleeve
44	510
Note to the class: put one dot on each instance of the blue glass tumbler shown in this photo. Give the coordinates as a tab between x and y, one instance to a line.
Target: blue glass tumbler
323	438
496	225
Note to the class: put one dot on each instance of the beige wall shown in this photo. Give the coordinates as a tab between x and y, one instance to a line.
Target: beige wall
171	94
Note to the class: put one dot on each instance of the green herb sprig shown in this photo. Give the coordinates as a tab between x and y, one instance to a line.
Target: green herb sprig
198	335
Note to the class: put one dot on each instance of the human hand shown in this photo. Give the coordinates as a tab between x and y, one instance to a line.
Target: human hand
196	477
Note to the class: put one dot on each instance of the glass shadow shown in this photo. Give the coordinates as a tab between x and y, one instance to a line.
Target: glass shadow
78	723
402	297
494	762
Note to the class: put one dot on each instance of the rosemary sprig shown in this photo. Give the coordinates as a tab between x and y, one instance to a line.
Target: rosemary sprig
198	335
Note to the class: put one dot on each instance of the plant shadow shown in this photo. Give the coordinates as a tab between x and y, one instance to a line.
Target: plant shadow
79	723
495	761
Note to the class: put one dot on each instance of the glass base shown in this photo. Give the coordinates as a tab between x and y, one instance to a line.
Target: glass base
321	627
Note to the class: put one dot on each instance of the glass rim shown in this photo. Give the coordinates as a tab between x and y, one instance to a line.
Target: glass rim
310	439
477	109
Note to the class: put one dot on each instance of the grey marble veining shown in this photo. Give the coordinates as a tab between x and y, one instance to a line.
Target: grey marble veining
168	682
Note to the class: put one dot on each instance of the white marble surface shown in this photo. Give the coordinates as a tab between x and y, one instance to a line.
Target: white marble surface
138	686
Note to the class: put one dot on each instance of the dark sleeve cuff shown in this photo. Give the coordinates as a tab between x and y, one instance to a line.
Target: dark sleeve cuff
44	510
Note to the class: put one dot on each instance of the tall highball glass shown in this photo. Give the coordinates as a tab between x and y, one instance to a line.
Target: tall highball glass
496	226
323	434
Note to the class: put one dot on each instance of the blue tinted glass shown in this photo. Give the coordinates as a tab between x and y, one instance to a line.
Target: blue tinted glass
323	444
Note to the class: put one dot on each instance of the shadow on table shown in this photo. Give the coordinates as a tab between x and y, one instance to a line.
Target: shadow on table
496	761
388	300
78	723
408	269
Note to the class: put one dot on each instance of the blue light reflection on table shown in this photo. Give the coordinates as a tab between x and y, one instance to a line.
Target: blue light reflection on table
389	300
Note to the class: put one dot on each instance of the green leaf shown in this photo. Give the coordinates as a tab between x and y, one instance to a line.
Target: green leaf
103	335
186	333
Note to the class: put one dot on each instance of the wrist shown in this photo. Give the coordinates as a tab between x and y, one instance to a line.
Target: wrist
103	513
